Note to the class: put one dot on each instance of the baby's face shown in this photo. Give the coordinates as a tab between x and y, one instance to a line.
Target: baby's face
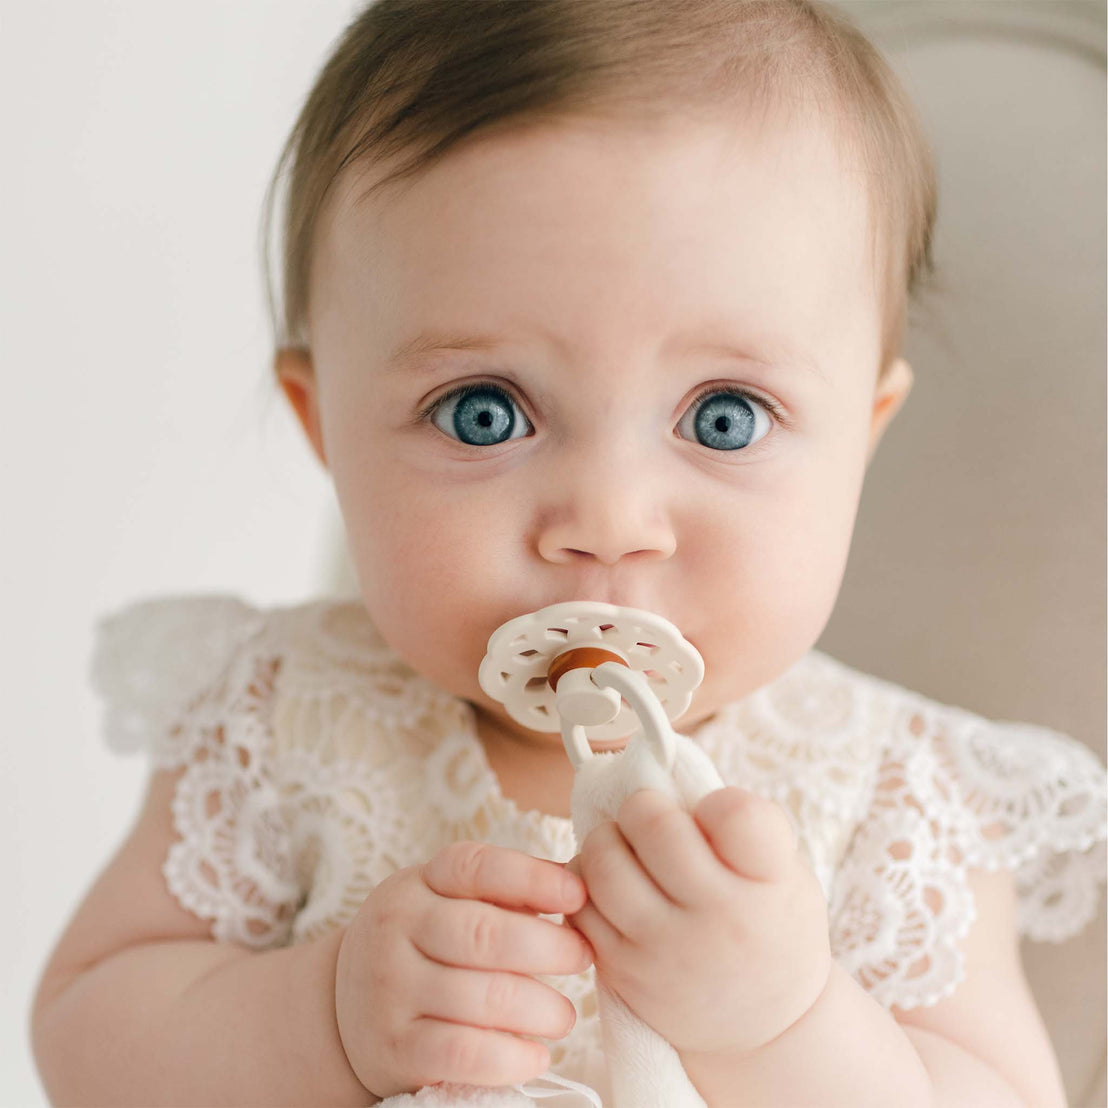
672	411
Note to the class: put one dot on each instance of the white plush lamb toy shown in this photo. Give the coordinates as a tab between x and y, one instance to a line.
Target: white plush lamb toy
609	669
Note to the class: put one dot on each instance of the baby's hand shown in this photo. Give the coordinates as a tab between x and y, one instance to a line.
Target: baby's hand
709	925
433	978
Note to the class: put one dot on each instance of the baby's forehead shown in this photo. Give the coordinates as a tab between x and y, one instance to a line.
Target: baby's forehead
661	241
592	182
795	68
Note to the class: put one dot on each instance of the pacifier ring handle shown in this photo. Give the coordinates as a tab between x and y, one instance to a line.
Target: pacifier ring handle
656	730
595	696
581	700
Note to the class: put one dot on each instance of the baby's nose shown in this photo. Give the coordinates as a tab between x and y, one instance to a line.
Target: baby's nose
606	510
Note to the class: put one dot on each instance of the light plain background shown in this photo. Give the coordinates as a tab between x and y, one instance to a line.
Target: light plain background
140	454
145	451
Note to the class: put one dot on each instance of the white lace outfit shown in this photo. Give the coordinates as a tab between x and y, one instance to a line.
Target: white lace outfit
318	763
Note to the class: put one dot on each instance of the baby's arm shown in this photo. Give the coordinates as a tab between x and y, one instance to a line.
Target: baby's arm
138	1005
985	1045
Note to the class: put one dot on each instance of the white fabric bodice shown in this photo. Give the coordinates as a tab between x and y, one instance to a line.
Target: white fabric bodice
318	763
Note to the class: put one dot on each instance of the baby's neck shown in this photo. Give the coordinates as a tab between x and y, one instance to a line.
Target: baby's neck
535	774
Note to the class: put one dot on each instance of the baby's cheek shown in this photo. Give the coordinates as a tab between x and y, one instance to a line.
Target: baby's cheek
785	570
436	602
762	636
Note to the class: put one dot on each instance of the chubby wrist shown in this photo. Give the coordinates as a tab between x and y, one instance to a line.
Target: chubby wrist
844	1050
726	1061
328	950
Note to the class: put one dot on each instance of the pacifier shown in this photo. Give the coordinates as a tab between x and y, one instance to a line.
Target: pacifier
591	669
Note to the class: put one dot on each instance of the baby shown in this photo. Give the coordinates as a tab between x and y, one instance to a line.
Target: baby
600	300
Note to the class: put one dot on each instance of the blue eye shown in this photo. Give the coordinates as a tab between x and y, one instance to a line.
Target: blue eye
478	415
727	420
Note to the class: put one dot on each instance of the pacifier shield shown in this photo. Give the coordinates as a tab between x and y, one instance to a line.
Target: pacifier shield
520	652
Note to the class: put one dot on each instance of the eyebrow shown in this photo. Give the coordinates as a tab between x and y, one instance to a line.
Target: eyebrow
429	341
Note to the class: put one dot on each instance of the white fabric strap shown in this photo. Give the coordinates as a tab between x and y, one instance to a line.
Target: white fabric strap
568	1086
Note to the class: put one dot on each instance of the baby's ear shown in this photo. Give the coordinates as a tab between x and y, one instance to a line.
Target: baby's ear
891	392
297	377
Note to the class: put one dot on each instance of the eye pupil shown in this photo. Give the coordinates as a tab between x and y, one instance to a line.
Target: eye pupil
485	419
723	424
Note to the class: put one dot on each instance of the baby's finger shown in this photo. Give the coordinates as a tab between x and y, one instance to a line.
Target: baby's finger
619	887
497	1001
751	834
602	937
671	847
481	871
477	935
442	1051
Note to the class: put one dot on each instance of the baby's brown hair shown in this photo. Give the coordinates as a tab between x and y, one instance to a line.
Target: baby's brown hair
417	77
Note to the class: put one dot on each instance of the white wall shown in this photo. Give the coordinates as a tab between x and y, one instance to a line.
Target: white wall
139	452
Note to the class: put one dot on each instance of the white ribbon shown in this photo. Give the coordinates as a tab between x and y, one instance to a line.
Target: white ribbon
569	1086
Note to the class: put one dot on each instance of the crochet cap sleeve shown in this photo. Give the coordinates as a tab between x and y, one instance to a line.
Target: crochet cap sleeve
190	681
153	657
956	792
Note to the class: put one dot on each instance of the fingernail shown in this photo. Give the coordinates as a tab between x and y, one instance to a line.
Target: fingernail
571	886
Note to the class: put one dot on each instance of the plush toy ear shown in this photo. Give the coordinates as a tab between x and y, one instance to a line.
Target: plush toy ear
891	392
296	374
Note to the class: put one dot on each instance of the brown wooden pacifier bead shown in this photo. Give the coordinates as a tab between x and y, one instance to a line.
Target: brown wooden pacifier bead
583	657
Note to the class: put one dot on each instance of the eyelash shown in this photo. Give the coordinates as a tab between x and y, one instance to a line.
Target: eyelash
771	406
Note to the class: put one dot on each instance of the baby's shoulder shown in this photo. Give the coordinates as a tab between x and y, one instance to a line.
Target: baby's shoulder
300	674
307	752
848	741
881	778
153	656
946	791
996	793
208	628
899	731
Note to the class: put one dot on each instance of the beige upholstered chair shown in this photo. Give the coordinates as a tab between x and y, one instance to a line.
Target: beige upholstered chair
977	574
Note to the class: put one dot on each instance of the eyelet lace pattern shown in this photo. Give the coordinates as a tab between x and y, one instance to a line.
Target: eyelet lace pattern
316	763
